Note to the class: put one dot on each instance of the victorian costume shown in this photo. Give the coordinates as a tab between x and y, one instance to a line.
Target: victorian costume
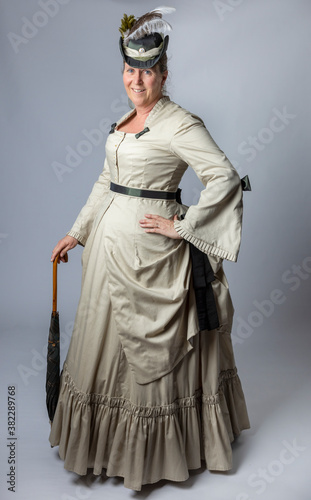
146	393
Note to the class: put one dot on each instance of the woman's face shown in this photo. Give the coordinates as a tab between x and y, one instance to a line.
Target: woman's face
143	86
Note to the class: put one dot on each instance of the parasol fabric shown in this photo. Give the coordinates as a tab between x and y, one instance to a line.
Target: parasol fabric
53	352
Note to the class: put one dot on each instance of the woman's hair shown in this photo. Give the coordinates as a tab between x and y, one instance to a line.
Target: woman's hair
162	63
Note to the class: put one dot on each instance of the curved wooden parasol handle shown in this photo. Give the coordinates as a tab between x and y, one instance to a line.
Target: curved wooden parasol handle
54	310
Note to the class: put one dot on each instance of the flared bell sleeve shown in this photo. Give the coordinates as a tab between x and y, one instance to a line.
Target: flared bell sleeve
83	223
214	224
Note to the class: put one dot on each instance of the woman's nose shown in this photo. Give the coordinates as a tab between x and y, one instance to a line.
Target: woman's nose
138	77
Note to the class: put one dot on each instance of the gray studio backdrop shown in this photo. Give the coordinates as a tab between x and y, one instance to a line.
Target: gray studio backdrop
244	67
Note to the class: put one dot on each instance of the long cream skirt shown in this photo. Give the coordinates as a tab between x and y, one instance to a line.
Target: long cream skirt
161	430
143	395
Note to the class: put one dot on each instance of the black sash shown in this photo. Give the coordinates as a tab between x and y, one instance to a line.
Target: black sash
203	276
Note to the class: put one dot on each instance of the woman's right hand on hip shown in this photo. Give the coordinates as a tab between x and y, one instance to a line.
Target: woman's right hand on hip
62	247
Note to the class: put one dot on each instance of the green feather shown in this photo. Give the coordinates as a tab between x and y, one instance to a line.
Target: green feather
127	22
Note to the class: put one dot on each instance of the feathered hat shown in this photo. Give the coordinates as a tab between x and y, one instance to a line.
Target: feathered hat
142	41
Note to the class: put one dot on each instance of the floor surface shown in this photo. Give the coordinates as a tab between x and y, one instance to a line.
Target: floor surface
271	460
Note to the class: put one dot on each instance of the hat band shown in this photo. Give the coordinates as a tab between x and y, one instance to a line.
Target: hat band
145	56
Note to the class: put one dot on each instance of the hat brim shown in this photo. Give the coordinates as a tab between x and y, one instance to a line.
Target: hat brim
134	63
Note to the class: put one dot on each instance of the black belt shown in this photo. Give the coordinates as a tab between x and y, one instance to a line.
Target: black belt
144	193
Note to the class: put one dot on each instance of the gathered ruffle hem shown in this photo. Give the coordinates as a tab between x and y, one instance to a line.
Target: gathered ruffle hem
144	444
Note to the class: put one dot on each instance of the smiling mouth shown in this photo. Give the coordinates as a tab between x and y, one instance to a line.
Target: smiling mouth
138	91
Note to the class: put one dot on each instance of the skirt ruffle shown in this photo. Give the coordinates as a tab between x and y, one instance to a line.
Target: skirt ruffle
149	442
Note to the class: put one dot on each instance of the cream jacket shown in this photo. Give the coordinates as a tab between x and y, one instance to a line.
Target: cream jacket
177	139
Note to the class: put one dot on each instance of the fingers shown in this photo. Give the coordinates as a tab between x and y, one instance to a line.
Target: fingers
59	250
62	247
55	252
157	224
154	219
154	223
63	257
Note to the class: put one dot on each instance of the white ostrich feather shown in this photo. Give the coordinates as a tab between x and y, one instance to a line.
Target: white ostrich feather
164	10
148	28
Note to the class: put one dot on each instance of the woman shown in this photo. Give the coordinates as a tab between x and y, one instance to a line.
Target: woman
146	392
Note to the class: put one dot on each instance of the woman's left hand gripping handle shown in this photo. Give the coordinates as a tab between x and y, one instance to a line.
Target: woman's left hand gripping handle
63	246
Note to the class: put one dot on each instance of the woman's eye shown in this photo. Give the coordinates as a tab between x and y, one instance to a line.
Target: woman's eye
147	72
